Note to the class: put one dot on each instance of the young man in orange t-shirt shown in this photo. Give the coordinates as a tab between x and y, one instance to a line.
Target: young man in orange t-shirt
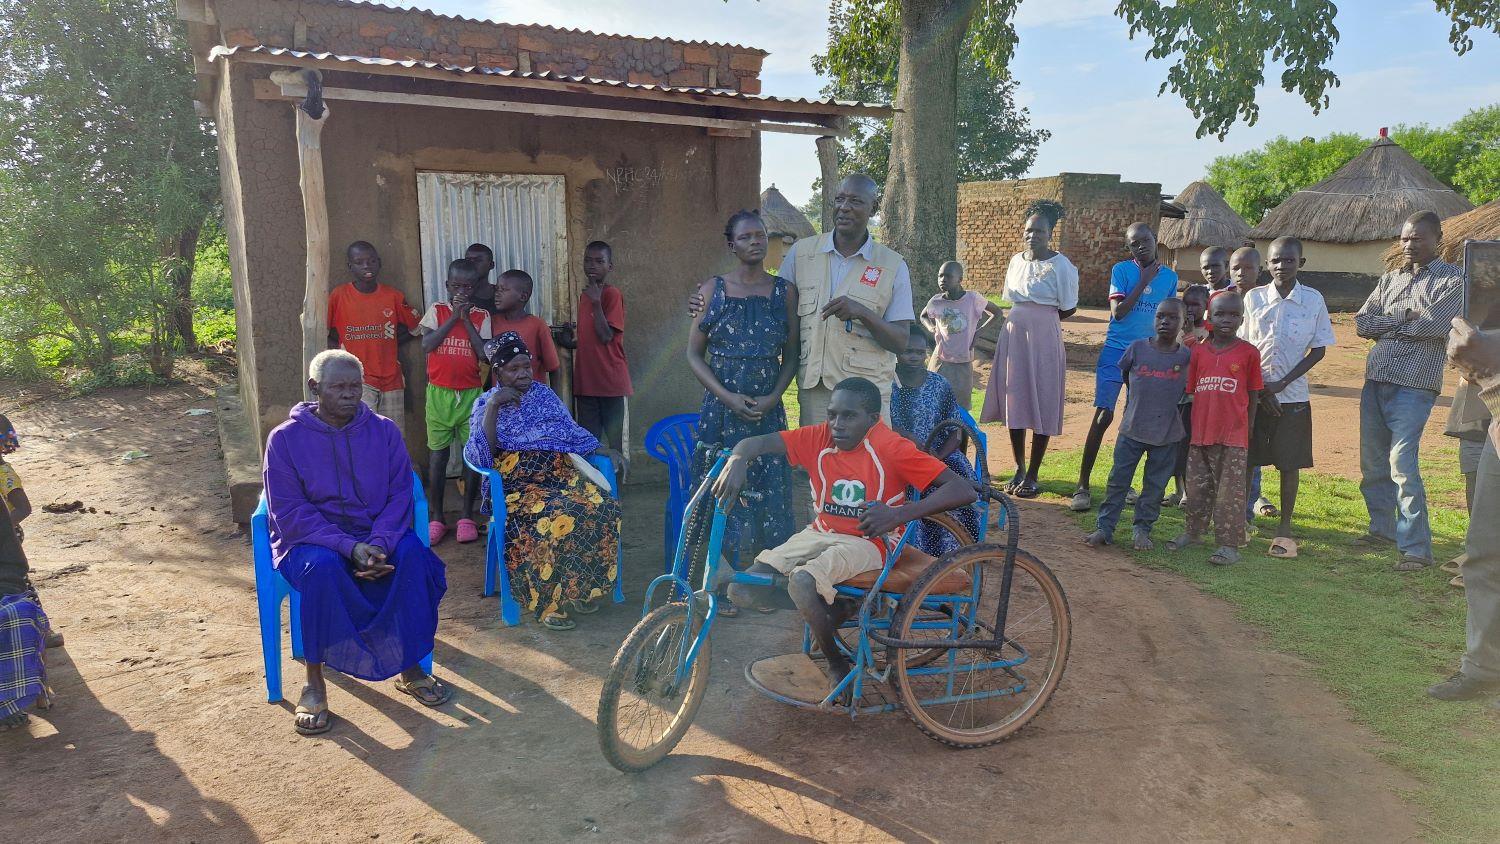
859	470
369	319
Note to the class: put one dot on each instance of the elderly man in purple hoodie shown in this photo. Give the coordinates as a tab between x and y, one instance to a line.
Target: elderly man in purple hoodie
339	493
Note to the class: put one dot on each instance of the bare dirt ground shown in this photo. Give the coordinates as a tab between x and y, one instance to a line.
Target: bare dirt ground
1174	721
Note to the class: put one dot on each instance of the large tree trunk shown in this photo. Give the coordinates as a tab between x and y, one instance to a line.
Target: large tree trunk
183	253
920	212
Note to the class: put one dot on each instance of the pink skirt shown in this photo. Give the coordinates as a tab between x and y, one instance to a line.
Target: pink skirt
1029	374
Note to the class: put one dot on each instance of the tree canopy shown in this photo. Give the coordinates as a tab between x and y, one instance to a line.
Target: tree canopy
1218	52
1465	155
103	168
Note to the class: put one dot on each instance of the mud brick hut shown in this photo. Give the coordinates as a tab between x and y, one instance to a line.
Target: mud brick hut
1347	220
785	225
1098	207
440	131
1207	221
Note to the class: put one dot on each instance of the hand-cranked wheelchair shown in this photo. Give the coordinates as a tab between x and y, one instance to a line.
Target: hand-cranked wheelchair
970	645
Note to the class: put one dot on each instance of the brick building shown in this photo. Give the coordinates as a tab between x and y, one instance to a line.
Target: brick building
440	131
1092	234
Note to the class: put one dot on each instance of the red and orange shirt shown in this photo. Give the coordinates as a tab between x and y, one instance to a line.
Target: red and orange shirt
537	336
879	469
453	363
599	369
1220	381
366	325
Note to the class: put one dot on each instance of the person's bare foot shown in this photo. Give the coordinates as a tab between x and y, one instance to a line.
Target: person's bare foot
1098	538
836	668
1141	540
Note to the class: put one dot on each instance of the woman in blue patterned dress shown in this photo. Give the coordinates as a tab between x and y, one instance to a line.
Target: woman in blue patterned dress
743	348
920	402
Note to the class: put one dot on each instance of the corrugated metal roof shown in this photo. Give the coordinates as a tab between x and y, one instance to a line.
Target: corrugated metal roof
386	7
222	51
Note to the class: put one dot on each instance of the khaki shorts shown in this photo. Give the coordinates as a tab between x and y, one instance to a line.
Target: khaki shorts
812	403
831	558
391	405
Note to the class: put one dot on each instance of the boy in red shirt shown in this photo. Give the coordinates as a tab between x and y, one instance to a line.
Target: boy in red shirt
601	378
368	319
512	292
1225	382
859	470
453	335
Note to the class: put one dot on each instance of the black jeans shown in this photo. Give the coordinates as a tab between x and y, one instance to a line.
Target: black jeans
604	417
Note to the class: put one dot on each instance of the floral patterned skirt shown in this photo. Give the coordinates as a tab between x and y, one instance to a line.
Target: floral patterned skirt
562	532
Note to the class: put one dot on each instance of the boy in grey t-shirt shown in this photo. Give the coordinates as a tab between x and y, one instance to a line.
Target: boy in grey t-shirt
1155	373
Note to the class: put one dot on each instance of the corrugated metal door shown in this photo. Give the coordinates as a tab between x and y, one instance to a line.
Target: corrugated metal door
521	217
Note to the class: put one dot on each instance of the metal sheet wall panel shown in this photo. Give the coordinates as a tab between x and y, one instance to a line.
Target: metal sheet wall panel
521	217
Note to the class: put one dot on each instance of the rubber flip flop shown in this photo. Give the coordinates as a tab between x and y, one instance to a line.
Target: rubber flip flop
1028	490
1453	566
1225	556
1081	502
1284	547
466	530
441	694
1412	564
1458	580
435	532
318	711
1266	508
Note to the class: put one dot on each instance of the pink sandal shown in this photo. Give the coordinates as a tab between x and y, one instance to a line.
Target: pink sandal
466	531
435	532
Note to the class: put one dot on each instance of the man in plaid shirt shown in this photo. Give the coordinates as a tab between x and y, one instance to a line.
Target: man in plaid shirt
1408	315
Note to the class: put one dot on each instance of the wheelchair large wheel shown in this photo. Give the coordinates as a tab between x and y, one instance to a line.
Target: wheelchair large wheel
983	693
643	713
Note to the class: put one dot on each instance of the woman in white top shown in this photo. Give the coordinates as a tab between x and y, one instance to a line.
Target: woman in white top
1025	392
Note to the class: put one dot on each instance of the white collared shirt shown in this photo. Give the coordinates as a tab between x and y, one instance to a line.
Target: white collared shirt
1284	330
900	308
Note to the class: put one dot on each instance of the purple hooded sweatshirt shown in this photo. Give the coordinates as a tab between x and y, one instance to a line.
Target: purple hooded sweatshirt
337	486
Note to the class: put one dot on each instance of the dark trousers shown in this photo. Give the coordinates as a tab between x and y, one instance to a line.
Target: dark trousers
13	566
1161	461
604	417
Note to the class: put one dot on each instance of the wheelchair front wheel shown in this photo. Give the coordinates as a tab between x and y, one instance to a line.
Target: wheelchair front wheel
985	689
643	712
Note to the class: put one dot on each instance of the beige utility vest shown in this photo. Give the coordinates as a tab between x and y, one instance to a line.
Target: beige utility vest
830	351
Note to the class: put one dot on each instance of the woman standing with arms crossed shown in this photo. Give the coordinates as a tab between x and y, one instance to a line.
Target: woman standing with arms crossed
744	349
1025	392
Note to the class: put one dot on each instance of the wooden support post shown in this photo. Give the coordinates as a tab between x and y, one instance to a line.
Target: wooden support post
828	163
312	113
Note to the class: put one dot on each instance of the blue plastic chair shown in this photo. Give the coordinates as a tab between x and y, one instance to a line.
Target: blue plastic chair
981	471
496	573
271	589
672	441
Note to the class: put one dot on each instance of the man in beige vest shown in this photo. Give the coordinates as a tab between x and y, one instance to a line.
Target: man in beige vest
853	302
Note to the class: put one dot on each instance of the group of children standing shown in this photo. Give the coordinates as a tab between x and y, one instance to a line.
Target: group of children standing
371	320
1220	389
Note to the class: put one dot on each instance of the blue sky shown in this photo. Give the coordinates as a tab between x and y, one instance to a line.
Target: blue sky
1081	77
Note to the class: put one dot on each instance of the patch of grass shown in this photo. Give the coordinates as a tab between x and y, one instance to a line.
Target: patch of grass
1376	637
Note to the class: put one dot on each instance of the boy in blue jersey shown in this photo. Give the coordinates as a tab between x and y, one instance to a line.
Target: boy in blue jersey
1136	287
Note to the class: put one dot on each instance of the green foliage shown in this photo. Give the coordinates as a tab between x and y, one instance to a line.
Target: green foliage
214	325
102	165
1465	155
1220	48
995	139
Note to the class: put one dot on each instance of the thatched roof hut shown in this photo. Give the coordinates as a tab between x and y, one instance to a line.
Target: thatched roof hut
1483	223
783	219
784	223
1347	220
1209	221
